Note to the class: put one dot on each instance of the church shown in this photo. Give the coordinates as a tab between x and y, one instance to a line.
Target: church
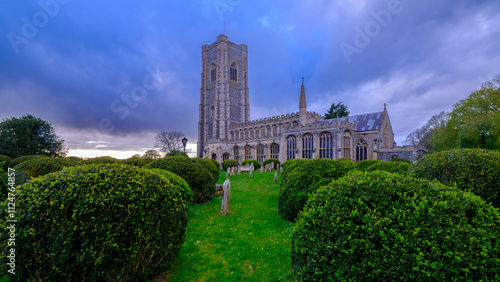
225	130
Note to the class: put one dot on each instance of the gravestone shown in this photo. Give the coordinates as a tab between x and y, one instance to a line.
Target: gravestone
281	170
261	169
275	176
220	167
250	174
272	166
224	205
239	170
227	173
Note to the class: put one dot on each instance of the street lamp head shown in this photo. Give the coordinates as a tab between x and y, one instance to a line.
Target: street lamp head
184	141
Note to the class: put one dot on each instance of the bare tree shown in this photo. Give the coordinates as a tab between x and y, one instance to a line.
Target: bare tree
167	141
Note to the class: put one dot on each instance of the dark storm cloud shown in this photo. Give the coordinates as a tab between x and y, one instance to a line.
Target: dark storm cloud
133	68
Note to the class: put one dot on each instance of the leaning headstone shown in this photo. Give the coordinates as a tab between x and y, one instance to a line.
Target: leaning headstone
261	169
281	170
272	166
239	170
275	176
226	189
227	173
250	175
220	167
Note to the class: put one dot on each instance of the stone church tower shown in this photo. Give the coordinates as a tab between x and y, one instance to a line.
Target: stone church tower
224	93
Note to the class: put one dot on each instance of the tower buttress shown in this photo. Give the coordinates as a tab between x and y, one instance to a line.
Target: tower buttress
302	105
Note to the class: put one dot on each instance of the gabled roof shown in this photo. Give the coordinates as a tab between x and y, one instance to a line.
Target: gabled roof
365	122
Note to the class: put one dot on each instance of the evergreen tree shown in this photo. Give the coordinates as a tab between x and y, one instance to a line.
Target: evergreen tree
337	110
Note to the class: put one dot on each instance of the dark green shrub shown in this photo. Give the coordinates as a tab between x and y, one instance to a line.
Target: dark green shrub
308	178
174	153
19	160
40	166
229	163
199	179
3	185
474	170
271	160
4	158
209	164
179	183
101	160
136	161
75	160
217	164
256	164
108	222
398	159
288	167
394	167
379	226
363	165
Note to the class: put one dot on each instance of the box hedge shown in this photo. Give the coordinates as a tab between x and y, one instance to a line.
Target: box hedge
101	160
229	163
311	175
256	164
199	179
136	161
19	160
209	164
36	167
394	167
289	166
272	160
217	164
6	159
379	226
398	159
108	222
180	184
474	170
363	165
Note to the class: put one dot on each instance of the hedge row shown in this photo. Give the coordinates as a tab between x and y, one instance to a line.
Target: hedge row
271	160
19	160
256	164
379	226
108	222
229	163
6	160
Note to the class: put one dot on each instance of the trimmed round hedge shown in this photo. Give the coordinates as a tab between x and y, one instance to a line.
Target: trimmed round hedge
199	179
289	166
363	165
311	175
40	166
101	160
19	160
136	161
256	164
229	163
216	163
379	226
179	183
398	159
6	159
272	160
209	164
394	167
474	170
109	222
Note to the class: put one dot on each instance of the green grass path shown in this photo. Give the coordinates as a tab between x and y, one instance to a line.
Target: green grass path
251	243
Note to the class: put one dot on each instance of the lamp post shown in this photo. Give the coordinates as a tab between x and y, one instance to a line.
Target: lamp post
184	142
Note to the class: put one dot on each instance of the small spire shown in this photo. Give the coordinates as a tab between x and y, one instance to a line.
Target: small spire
302	103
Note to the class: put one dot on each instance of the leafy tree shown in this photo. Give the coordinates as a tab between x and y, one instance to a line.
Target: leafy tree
136	156
337	110
167	141
29	135
423	136
474	121
153	154
175	153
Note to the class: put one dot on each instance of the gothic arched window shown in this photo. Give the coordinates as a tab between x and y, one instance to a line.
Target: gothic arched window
256	132
212	73
275	130
347	145
291	146
275	150
233	72
214	157
326	145
236	150
307	146
225	156
361	150
260	153
248	154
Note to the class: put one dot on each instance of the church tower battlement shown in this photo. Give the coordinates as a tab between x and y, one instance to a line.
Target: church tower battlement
224	93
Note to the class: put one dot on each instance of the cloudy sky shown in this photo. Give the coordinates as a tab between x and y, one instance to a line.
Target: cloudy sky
109	75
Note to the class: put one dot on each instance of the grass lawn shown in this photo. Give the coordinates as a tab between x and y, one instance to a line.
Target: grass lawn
252	242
